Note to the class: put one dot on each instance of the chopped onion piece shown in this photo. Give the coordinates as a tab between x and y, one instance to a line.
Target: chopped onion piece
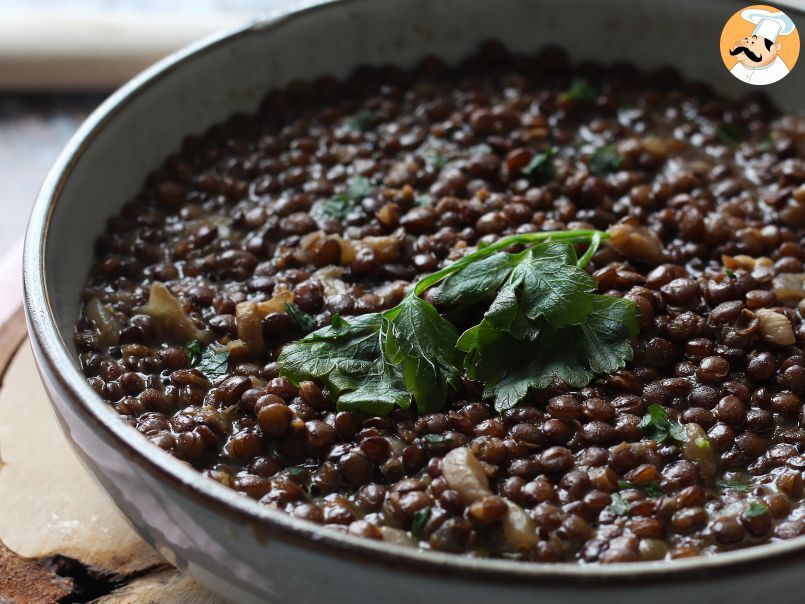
775	327
465	475
789	287
171	321
104	321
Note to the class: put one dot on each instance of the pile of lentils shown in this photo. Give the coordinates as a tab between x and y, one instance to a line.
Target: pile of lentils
232	217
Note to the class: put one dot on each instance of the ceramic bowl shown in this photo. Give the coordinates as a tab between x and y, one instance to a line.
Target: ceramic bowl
247	552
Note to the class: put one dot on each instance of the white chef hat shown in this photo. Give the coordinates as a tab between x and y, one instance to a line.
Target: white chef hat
769	25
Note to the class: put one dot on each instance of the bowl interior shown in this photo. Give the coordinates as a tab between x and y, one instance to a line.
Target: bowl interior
130	134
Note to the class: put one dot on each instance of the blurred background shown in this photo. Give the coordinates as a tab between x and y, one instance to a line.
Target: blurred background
60	58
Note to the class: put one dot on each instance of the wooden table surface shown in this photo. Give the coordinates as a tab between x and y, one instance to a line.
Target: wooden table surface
61	539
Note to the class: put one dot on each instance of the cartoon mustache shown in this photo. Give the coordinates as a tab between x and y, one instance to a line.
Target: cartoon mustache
752	56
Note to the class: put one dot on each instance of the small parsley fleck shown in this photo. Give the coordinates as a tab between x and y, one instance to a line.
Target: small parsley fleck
540	168
340	205
755	509
605	160
302	321
651	489
619	505
421	518
211	361
740	487
437	439
729	134
663	428
435	160
363	121
580	90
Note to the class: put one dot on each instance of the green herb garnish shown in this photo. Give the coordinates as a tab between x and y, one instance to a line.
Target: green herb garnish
545	324
295	470
437	439
194	349
740	487
303	322
664	428
619	505
480	149
212	362
766	145
755	509
651	489
435	160
540	168
341	204
605	160
421	518
580	90
729	134
702	443
730	273
363	121
423	200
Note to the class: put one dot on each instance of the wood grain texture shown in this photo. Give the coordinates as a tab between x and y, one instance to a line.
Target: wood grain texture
59	529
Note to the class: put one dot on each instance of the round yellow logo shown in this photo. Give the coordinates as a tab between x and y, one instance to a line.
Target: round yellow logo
760	45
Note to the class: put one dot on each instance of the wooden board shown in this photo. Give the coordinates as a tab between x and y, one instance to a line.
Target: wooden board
60	537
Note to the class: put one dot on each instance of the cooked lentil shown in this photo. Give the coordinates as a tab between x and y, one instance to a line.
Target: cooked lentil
272	208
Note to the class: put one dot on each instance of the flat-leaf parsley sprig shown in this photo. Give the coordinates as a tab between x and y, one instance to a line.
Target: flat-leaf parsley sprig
543	324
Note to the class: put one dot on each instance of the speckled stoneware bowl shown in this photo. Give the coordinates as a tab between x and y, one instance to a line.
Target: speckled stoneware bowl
238	548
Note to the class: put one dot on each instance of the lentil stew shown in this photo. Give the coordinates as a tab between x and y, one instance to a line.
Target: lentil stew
336	196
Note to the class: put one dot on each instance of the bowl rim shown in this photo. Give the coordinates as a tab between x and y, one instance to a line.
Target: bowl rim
56	366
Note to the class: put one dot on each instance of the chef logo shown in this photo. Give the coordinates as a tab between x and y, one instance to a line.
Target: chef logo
760	45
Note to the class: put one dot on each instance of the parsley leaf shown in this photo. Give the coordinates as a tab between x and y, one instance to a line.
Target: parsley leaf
606	333
755	509
300	319
553	288
605	160
212	362
363	121
580	90
544	324
423	200
664	428
730	273
346	358
476	282
619	505
423	343
341	204
540	168
421	518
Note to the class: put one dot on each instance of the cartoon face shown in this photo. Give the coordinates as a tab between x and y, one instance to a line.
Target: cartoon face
755	51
